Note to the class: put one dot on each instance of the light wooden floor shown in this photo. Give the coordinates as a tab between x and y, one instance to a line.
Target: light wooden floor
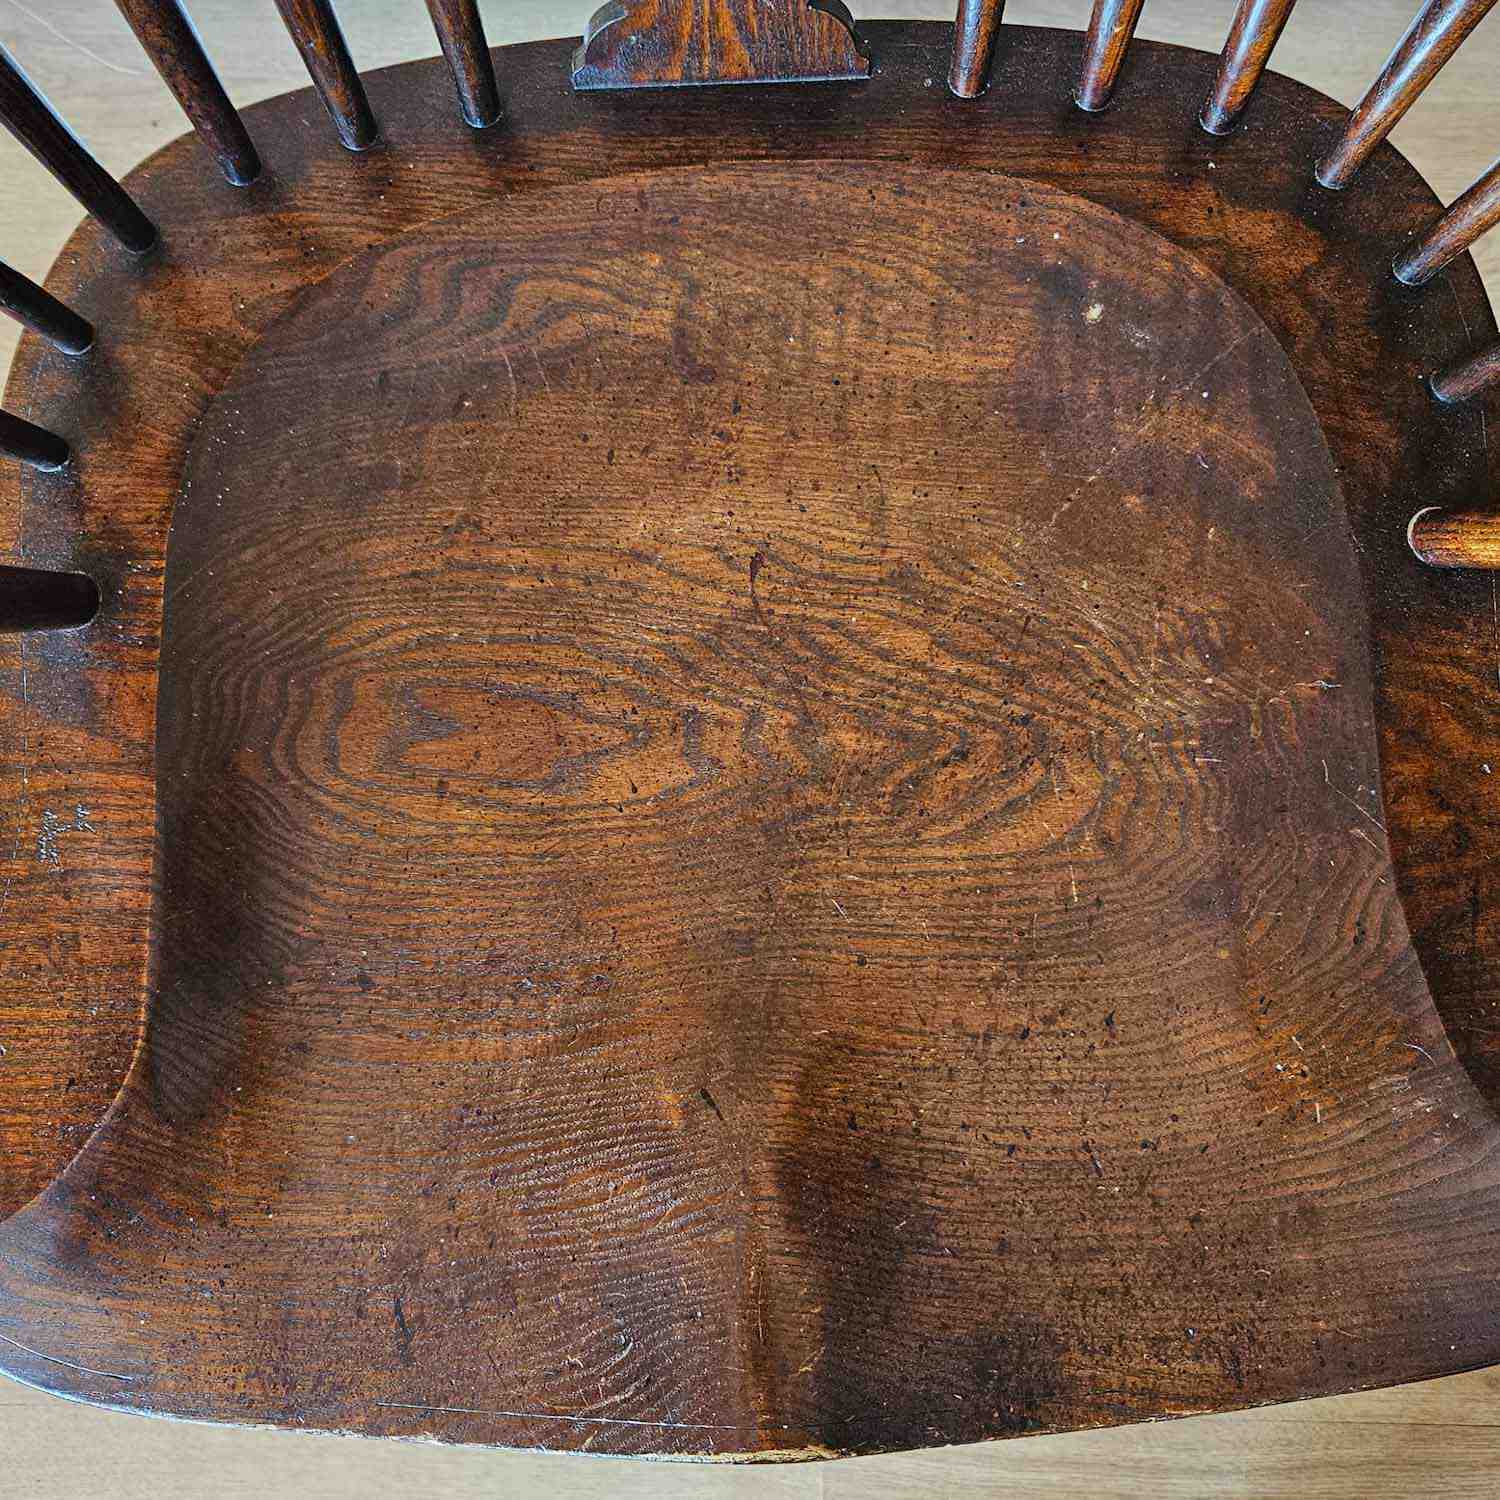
1441	1438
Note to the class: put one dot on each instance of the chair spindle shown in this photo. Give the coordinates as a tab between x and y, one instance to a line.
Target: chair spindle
1430	41
33	122
31	444
460	33
1466	379
1253	33
45	599
165	32
315	30
1456	539
1477	211
41	312
974	33
1111	28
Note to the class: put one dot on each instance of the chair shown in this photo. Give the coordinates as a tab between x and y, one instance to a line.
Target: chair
752	772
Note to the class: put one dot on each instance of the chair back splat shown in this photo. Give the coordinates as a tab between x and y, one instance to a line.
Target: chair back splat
631	44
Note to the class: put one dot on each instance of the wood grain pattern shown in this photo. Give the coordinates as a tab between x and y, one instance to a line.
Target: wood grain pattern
1456	539
1433	37
460	33
669	43
314	29
30	119
1253	34
23	440
1111	27
682	780
166	33
1474	214
1104	1344
1468	378
975	29
39	310
749	796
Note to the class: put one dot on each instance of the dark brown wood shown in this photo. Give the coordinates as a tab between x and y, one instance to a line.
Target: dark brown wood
731	750
1456	539
1111	28
172	44
460	32
40	311
1432	38
1253	34
1180	883
40	599
1474	214
31	444
32	121
631	44
1469	377
314	30
975	30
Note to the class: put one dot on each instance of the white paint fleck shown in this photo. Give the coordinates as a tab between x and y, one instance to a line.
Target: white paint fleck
48	850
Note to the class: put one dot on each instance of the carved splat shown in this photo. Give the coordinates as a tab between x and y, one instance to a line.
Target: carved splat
632	44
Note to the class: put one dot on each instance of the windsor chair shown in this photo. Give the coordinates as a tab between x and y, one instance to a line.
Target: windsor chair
751	772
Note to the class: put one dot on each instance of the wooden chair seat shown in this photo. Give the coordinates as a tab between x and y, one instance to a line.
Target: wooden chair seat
771	758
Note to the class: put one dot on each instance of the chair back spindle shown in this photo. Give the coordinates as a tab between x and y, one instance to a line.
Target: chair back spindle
314	30
975	29
1469	377
1254	32
1111	28
1431	39
1456	539
23	440
28	117
165	32
1477	211
41	312
45	599
460	33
